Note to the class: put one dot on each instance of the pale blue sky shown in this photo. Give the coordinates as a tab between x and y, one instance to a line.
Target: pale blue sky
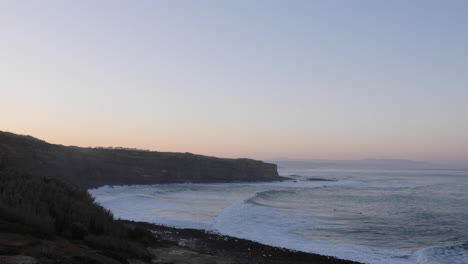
304	79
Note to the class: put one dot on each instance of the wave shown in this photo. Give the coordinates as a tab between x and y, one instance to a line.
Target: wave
253	219
442	255
284	229
270	213
270	195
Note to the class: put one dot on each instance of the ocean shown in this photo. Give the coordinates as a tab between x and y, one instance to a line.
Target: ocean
370	216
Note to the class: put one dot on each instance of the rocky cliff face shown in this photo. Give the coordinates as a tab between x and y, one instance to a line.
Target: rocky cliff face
90	167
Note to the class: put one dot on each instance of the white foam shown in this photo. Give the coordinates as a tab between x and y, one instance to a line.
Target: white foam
441	255
263	225
225	208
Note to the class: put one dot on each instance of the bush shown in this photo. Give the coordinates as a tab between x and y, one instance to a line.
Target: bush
51	205
53	208
141	235
78	230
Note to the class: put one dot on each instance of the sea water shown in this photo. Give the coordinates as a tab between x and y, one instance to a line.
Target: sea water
371	216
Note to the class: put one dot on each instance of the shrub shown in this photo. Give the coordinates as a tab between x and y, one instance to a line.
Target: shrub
78	230
51	207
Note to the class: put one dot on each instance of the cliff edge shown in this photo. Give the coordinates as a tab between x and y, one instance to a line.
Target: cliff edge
95	167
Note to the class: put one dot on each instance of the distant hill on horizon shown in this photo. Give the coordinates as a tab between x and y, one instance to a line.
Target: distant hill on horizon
396	164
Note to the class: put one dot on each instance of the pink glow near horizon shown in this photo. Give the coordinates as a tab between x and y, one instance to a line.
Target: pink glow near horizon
240	79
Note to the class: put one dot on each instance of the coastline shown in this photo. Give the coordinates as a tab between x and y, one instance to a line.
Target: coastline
173	242
88	167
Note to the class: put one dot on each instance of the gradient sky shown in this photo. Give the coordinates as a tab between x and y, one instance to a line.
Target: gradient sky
260	79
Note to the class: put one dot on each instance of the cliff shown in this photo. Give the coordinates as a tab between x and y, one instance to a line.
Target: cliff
92	167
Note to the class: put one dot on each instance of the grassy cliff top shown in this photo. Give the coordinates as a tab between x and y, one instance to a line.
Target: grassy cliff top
94	167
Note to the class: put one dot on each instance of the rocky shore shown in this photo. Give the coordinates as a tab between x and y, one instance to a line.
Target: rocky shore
200	247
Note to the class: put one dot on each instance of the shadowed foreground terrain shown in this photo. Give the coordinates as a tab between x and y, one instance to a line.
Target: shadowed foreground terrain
95	167
52	222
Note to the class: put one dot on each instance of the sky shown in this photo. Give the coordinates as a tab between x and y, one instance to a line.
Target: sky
260	79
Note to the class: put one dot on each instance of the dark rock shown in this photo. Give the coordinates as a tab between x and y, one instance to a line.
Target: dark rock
318	179
242	249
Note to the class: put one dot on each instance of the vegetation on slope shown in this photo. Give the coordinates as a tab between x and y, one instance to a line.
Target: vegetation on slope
94	167
49	209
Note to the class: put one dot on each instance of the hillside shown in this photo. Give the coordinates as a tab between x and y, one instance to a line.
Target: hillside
47	220
93	167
